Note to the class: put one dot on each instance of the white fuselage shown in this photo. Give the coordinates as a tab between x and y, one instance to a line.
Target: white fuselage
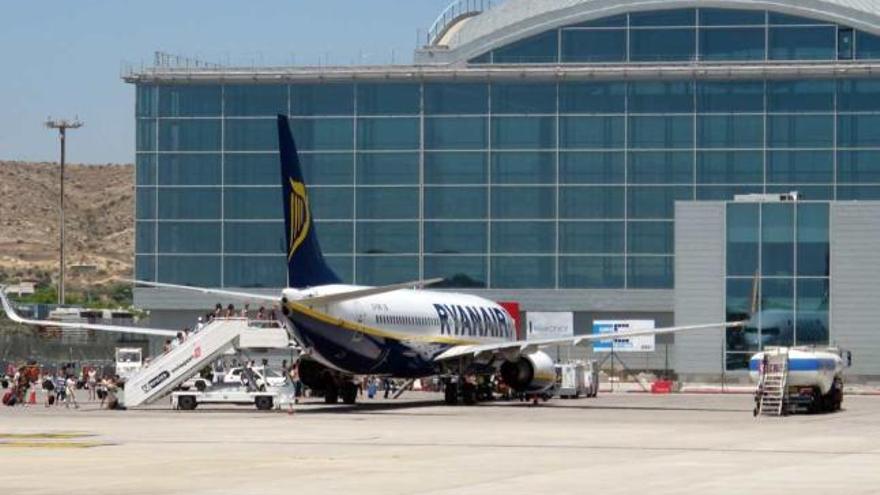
399	331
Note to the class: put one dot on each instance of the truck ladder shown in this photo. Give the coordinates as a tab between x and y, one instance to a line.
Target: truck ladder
168	371
774	384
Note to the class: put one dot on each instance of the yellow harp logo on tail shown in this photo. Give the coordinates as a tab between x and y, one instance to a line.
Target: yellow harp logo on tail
300	217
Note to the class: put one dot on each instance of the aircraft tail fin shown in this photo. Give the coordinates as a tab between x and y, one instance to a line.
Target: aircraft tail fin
306	266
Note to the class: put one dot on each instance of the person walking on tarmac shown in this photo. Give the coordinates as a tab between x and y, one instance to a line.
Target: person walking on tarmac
92	383
60	388
70	392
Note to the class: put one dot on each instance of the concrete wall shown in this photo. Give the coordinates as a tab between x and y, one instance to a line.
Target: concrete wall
699	282
855	283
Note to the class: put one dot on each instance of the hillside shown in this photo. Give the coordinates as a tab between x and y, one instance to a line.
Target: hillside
99	220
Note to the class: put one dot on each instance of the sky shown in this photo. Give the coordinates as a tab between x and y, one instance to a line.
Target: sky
65	58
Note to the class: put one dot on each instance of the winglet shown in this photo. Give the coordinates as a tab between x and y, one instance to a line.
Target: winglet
7	306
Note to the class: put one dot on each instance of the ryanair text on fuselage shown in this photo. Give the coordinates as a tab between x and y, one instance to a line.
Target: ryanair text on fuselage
472	321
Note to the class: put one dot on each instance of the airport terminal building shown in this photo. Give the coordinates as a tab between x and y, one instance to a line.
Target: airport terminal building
618	159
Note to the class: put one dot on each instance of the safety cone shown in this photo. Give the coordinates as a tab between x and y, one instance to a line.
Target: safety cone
32	399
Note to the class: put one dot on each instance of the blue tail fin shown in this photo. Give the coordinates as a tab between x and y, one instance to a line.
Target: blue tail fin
305	263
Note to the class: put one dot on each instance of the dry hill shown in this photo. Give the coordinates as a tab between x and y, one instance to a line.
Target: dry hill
99	219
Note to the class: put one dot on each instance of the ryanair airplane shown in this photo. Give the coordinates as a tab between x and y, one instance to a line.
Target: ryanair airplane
397	330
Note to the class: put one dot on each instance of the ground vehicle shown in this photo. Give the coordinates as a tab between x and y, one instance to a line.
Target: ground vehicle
807	379
577	379
129	360
267	376
264	376
269	398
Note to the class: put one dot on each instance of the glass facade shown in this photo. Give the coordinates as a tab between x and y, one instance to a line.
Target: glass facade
557	184
680	35
778	260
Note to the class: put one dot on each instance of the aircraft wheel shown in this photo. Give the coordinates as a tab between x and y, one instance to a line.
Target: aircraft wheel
201	385
451	394
469	394
349	393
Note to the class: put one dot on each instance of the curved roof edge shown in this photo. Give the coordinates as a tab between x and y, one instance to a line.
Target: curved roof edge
518	19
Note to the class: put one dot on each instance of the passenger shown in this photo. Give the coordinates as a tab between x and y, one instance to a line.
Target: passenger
244	311
230	311
372	385
218	310
110	394
261	313
91	382
70	392
167	347
200	324
49	387
297	383
60	388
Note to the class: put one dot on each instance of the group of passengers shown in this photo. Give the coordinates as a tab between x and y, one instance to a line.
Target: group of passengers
262	314
59	387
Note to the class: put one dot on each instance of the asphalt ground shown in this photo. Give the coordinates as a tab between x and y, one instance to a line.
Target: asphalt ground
617	443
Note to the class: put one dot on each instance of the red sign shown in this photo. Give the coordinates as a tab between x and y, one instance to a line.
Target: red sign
512	308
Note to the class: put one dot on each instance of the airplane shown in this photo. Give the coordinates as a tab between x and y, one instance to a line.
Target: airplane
399	330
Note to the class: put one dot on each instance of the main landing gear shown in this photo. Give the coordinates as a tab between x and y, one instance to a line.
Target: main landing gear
346	390
458	390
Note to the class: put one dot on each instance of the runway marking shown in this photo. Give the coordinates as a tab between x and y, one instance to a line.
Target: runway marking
51	440
21	444
68	435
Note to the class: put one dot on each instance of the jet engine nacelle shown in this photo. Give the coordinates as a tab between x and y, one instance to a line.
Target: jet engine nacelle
533	372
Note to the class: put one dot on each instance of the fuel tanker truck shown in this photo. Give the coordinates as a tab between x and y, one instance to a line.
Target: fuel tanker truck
811	377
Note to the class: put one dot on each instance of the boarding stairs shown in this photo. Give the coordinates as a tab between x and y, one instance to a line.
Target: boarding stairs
166	372
773	383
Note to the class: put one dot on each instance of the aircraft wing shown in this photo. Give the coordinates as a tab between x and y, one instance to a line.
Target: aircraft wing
369	291
515	348
14	316
247	296
312	300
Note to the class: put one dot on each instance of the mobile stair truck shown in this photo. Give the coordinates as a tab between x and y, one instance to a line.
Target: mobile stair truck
798	379
222	336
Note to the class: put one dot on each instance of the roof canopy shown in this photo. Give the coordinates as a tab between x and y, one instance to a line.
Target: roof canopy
514	20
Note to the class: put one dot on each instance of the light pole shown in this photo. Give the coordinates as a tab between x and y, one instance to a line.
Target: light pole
62	125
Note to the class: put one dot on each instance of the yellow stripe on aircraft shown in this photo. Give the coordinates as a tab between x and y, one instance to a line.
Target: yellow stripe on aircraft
376	332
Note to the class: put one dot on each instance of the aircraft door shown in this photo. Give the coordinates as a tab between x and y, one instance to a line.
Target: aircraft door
360	316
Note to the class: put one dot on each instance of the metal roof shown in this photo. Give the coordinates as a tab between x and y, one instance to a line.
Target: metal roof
427	73
517	19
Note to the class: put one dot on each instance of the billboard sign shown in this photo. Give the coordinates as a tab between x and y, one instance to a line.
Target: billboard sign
549	325
631	344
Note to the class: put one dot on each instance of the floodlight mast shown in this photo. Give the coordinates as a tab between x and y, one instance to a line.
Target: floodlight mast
62	125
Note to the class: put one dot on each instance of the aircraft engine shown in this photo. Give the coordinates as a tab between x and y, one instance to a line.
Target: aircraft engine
530	373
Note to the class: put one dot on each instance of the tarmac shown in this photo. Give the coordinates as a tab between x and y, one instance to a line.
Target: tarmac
619	443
